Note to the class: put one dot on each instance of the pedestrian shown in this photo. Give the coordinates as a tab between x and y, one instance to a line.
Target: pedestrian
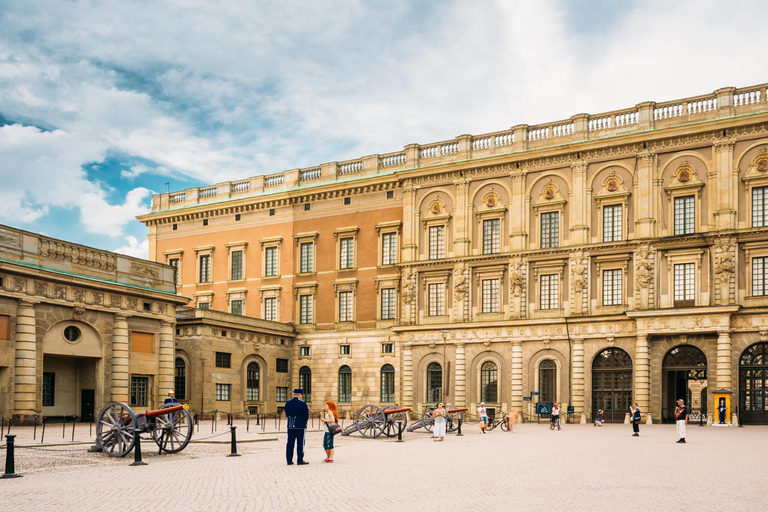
482	413
171	398
681	419
511	420
438	430
599	418
635	419
297	414
554	420
331	416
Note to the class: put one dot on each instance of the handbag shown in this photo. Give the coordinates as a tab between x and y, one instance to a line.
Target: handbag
333	428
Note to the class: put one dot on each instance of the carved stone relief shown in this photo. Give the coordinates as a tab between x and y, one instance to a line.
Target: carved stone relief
59	292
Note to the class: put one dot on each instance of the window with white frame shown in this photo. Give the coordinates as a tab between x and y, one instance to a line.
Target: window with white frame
612	289
491	236
174	262
759	271
304	351
759	207
388	303
685	284
387	348
436	242
550	230
270	262
346	306
612	222
139	390
436	299
490	294
223	392
270	309
204	305
685	208
549	291
346	253
306	309
345	350
281	394
236	265
307	252
388	248
205	268
236	306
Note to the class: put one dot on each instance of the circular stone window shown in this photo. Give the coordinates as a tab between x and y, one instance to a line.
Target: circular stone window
72	333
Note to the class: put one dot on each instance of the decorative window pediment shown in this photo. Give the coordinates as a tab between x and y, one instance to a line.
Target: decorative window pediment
491	203
613	186
549	196
685	177
758	168
437	210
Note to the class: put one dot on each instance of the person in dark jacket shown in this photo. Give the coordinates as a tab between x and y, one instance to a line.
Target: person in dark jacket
171	398
297	415
635	419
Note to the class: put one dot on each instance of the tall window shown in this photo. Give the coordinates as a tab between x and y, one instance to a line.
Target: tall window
684	215
174	262
612	287
612	223
547	379
347	253
305	309
490	289
307	257
205	268
389	248
223	392
346	304
387	383
49	389
180	379
685	284
237	306
270	262
345	384
550	292
550	230
434	382
270	309
281	365
491	236
305	382
237	265
388	303
139	386
252	377
436	242
281	394
759	282
436	299
759	207
489	382
223	360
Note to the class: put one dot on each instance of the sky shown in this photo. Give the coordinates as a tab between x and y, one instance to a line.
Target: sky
104	103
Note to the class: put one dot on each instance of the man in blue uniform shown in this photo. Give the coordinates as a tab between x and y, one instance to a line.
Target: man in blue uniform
171	398
297	414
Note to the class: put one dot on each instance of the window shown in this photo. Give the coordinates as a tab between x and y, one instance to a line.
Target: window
252	377
142	342
387	383
270	309
223	359
347	253
270	262
390	194
147	306
72	333
612	287
304	351
547	379
223	392
685	282
347	200
305	382
759	282
434	382
139	387
759	207
436	299
388	303
49	389
436	242
387	348
344	350
550	230
491	236
345	384
305	309
175	227
550	295
204	305
684	215
307	207
237	217
612	224
281	365
237	265
236	306
489	381
174	262
490	290
389	248
346	304
180	379
307	257
271	212
281	394
205	222
205	268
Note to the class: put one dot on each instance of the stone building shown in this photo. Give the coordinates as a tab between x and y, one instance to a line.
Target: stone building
595	260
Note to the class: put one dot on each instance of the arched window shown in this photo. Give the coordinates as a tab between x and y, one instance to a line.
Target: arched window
547	381
753	384
612	384
387	383
252	382
180	379
305	382
434	382
345	384
489	382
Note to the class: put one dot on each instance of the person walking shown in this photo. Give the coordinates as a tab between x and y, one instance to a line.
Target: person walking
599	418
681	419
482	413
554	420
331	416
297	414
171	399
438	430
635	418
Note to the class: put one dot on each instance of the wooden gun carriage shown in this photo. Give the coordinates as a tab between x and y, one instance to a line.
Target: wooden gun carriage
372	421
453	417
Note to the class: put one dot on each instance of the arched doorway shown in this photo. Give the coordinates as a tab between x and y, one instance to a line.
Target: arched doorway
612	384
547	381
753	378
180	379
684	376
489	380
434	382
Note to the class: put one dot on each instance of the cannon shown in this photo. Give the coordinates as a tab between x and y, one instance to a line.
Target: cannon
372	421
453	416
118	428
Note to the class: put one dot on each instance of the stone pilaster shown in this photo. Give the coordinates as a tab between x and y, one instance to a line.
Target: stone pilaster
461	219
120	371
579	222
578	377
645	225
460	377
518	215
727	184
165	361
724	372
643	373
25	381
408	375
516	377
410	220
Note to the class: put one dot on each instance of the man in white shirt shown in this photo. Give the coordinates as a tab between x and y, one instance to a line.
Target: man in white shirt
483	414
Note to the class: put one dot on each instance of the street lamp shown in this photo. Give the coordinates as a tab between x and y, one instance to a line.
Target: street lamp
444	386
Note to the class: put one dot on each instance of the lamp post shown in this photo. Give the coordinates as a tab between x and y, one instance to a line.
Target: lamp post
444	386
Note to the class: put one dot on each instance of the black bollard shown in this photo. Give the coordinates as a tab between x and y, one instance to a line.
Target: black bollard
42	435
234	443
399	432
64	428
137	451
459	432
257	419
34	431
248	423
701	420
196	421
74	420
2	425
10	469
10	422
90	427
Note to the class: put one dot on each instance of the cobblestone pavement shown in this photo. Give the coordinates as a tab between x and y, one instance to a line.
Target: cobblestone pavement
578	468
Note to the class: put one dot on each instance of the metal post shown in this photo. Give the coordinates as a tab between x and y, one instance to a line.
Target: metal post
257	418
248	422
10	422
10	469
399	432
137	451
90	427
459	432
2	425
64	427
279	420
34	431
234	442
74	420
42	435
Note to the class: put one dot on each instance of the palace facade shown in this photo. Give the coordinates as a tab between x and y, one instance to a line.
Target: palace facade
594	261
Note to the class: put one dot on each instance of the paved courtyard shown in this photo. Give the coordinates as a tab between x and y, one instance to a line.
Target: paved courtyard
578	468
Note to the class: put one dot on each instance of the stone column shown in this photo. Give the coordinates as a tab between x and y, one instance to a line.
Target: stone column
645	201
460	376
643	373
516	378
724	372
25	381
165	361
408	375
578	378
120	371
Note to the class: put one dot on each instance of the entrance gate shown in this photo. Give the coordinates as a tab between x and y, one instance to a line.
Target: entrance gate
684	376
612	384
753	379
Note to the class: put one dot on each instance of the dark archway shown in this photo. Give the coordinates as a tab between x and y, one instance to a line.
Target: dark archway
612	384
434	382
753	379
684	375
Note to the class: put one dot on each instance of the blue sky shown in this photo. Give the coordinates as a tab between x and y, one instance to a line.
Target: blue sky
104	102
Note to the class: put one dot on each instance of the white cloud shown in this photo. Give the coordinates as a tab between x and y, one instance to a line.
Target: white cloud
134	248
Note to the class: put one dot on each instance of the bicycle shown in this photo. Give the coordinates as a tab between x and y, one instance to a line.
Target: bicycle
555	424
493	423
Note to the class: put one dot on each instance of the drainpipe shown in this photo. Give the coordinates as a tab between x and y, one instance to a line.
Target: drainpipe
570	363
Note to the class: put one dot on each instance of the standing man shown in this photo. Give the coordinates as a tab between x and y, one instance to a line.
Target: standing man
721	410
171	398
681	419
297	414
635	418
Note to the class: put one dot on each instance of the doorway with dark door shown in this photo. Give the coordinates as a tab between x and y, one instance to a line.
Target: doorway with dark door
684	377
87	397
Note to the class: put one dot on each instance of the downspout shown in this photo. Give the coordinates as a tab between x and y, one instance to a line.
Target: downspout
570	363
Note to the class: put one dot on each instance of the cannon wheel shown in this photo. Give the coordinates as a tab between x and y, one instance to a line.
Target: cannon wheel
116	429
370	421
426	416
173	431
453	421
390	429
